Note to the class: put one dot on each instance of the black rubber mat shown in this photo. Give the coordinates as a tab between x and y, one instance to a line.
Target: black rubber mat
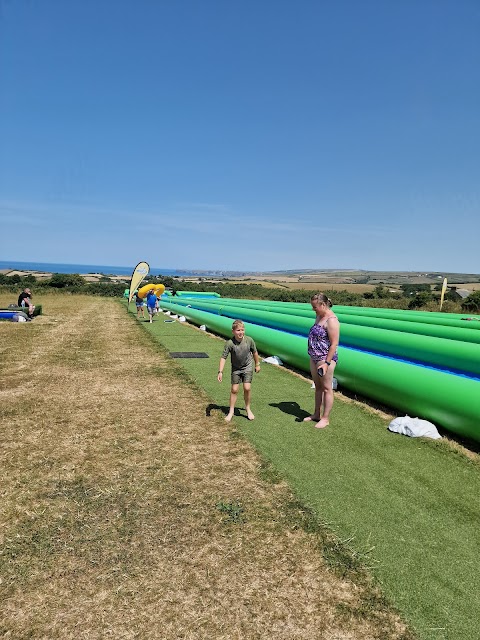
189	354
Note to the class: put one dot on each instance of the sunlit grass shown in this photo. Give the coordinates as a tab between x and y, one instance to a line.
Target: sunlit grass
405	509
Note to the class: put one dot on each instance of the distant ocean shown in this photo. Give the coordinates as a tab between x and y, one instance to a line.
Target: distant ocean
89	268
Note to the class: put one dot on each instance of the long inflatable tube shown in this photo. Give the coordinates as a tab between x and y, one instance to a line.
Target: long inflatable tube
461	357
199	294
447	354
418	313
434	330
415	316
463	334
428	317
434	317
268	340
410	316
448	400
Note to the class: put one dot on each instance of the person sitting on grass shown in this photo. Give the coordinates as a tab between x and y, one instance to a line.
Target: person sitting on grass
25	300
244	355
152	304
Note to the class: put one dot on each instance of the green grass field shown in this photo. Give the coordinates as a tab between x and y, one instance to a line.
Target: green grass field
407	508
131	509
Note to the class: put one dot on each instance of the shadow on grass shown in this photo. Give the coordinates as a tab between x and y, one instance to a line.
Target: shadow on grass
291	408
224	409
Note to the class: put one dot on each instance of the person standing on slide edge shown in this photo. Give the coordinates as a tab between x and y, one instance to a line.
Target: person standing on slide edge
322	348
244	355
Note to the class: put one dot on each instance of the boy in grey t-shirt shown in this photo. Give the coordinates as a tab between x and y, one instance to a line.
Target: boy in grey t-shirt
244	355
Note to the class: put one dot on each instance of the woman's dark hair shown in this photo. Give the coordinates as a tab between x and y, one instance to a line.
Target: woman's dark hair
321	297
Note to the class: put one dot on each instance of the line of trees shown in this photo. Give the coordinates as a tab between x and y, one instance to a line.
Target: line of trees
409	296
71	282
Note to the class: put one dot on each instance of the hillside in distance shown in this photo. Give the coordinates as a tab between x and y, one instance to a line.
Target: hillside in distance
362	276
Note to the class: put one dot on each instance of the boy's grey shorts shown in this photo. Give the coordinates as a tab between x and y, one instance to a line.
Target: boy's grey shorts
245	375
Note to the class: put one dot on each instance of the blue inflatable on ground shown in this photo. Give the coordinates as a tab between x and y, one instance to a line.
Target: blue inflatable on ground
14	316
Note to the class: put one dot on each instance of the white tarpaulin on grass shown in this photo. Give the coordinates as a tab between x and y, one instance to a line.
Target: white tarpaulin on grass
414	427
273	360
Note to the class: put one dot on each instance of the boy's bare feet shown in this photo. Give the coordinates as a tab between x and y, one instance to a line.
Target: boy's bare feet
250	415
322	424
228	417
311	419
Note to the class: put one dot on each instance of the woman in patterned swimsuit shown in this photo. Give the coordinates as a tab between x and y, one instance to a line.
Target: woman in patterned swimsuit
322	349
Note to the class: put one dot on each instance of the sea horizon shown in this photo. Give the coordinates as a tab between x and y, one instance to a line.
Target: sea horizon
53	267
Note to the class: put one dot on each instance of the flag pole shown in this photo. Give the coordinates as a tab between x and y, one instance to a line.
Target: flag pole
444	288
139	273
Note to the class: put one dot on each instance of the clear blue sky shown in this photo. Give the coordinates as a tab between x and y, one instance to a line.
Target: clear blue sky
253	135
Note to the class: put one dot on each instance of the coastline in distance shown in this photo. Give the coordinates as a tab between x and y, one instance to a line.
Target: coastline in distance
298	277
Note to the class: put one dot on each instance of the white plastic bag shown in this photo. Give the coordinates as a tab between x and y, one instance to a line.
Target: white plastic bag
273	360
414	427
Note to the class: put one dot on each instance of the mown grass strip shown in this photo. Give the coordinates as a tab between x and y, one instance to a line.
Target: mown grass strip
407	508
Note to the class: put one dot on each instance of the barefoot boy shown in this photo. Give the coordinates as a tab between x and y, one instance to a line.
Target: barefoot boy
244	354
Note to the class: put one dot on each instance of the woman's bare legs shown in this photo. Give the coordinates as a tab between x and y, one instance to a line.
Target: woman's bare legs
318	393
327	392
